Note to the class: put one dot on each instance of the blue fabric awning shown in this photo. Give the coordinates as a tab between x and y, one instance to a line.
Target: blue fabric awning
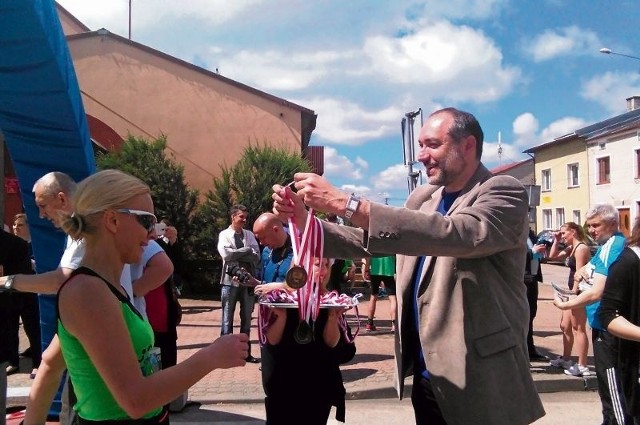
41	112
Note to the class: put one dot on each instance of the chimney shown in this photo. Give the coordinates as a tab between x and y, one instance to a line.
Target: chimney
633	103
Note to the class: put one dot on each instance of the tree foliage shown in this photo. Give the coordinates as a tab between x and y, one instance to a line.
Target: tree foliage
249	182
172	197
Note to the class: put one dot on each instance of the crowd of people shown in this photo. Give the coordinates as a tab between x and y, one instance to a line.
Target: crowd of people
452	262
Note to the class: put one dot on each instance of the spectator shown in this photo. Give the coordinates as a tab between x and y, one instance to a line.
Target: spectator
167	237
27	303
238	248
573	323
14	258
620	314
532	276
277	254
602	222
380	270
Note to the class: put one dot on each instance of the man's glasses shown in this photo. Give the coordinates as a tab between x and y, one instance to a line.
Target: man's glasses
144	218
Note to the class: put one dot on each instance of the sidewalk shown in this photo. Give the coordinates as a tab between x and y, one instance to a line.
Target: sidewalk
369	375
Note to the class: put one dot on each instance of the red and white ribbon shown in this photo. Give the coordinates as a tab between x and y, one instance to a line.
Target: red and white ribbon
308	247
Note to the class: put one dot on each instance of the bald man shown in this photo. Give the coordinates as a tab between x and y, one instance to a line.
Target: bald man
278	253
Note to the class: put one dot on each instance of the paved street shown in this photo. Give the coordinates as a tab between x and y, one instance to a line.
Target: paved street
566	408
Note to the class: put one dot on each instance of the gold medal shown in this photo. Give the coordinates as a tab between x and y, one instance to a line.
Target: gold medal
296	277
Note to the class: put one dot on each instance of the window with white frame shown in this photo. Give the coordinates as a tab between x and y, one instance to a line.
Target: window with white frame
546	179
604	170
572	175
577	218
560	216
547	219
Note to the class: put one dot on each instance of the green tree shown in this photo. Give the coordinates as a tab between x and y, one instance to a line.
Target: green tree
249	183
172	197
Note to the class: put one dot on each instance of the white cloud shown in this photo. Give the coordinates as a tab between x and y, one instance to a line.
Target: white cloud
392	178
358	190
611	89
492	157
277	70
527	135
525	127
348	123
561	127
445	61
562	42
336	165
361	163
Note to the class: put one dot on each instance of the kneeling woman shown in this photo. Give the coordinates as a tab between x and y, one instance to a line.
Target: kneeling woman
106	343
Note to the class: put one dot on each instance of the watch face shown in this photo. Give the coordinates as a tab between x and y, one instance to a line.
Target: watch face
353	204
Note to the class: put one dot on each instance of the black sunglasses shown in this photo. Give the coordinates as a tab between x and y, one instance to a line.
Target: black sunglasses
144	218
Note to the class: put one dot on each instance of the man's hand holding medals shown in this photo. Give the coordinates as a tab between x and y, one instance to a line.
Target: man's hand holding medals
303	284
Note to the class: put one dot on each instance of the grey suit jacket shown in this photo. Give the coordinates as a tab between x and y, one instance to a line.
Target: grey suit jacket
473	312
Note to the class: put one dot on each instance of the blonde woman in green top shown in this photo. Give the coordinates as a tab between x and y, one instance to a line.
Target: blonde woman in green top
106	343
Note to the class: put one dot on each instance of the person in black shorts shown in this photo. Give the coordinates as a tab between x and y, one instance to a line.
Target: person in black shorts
380	270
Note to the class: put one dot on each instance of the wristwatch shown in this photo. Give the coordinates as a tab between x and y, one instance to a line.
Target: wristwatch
352	206
8	284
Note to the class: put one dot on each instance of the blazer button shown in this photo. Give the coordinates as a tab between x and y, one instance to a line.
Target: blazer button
386	234
381	234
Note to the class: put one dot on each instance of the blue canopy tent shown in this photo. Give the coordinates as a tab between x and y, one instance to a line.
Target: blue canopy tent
42	119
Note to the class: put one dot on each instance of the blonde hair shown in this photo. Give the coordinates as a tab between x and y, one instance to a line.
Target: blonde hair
97	193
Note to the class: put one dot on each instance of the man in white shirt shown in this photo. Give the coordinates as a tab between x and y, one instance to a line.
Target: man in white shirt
239	249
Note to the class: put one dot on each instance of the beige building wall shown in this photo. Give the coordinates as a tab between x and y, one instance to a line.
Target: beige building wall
623	191
561	196
208	119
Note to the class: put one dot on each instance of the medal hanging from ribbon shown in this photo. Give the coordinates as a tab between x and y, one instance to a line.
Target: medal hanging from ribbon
302	277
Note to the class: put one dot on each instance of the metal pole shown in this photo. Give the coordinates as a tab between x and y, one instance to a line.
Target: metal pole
409	147
130	19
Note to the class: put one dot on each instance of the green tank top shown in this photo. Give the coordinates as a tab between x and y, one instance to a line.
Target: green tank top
383	266
95	401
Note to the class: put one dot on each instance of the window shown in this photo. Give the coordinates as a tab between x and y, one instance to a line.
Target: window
546	180
637	153
547	222
560	216
572	175
604	171
576	217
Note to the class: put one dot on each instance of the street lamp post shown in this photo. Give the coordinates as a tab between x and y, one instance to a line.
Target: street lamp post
608	51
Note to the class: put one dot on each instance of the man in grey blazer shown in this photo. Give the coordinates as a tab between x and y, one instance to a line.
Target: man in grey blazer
462	309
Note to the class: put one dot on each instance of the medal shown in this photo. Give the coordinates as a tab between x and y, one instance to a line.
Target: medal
304	333
301	276
296	277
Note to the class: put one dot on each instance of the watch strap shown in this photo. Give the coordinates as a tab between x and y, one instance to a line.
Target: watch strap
352	206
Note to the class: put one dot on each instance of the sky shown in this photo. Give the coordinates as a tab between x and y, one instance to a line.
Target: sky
529	71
